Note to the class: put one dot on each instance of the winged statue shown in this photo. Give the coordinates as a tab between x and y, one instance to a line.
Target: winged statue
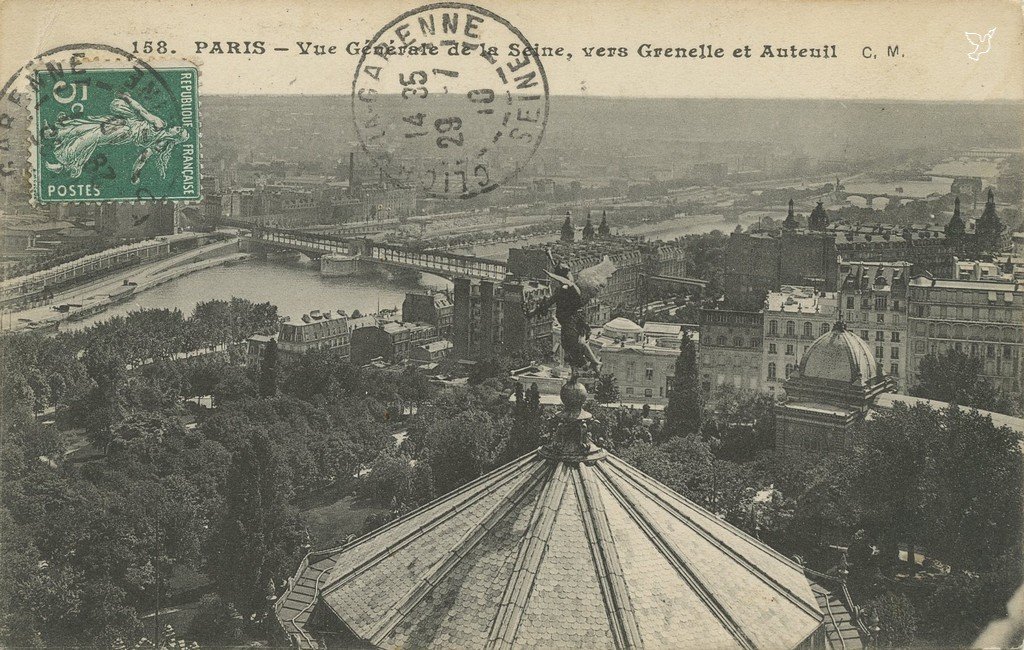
570	295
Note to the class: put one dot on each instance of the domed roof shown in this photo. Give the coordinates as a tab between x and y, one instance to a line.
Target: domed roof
621	327
839	355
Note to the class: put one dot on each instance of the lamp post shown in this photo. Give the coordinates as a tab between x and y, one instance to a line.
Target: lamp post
749	493
874	629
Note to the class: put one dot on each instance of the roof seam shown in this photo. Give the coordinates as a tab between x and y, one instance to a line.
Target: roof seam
727	549
625	468
511	470
606	561
468	487
446	564
684	570
530	556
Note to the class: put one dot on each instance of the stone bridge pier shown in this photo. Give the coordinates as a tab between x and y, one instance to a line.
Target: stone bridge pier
254	247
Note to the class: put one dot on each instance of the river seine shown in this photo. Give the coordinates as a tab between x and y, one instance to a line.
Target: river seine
295	287
298	287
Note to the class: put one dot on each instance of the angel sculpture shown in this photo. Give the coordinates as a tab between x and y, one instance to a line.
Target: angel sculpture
76	138
570	296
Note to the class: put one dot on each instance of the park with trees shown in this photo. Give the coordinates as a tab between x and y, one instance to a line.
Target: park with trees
147	464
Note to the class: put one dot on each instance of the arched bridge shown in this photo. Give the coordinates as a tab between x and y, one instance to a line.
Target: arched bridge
440	263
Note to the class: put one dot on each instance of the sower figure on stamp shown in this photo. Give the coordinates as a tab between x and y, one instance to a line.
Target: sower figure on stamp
570	296
75	139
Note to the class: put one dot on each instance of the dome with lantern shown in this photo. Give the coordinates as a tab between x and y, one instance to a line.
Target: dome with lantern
839	355
833	388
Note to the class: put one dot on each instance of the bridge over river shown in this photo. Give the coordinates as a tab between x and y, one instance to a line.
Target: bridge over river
448	265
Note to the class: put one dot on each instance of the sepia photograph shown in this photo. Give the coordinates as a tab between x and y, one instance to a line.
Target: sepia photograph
382	324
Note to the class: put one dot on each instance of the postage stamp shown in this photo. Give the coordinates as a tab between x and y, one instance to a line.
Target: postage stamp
116	134
451	98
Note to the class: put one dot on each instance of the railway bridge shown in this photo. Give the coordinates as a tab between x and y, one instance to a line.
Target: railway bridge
448	265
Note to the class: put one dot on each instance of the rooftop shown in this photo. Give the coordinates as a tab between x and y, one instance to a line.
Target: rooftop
805	300
653	328
567	546
1009	286
878	276
839	356
437	346
622	326
363	321
315	316
393	327
556	554
987	271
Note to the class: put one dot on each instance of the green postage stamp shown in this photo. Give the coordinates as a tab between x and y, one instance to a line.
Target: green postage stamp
116	134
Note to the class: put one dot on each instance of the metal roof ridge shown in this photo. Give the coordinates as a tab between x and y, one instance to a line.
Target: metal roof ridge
682	567
614	590
626	468
497	475
727	549
449	560
531	552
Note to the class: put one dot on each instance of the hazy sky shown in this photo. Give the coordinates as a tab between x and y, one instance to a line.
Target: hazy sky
932	62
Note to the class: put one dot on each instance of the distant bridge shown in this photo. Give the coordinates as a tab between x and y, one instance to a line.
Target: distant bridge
447	265
444	264
349	229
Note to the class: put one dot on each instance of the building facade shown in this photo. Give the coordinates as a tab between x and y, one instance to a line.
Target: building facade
730	349
794	317
391	341
873	301
501	318
317	330
434	307
981	318
924	247
759	262
642	359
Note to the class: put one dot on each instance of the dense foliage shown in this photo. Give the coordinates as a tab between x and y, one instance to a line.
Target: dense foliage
958	378
153	453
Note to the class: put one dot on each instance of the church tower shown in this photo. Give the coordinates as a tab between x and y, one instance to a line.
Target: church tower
989	228
588	230
568	232
956	228
790	223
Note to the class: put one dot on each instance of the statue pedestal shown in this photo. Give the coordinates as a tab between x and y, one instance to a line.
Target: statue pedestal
571	441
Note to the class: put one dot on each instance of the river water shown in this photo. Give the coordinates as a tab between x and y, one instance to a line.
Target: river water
294	287
298	287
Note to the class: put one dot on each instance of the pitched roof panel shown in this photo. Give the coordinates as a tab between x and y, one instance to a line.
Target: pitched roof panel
566	547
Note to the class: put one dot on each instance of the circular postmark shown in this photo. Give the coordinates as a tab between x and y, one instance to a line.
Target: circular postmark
451	99
64	94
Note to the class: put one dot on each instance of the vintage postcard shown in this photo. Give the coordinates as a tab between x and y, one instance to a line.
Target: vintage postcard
511	324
